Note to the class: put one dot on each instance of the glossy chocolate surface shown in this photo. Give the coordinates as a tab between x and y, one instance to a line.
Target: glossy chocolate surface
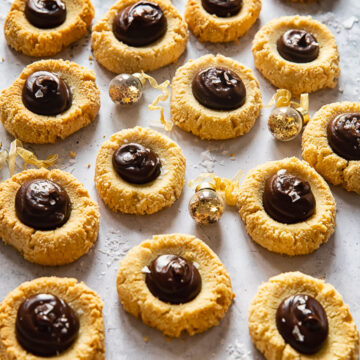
45	14
46	325
140	24
44	93
219	89
42	204
298	46
302	322
288	198
173	279
344	135
136	164
222	8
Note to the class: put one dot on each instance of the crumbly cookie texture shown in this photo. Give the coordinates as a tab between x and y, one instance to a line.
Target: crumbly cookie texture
39	129
343	339
207	27
191	116
56	247
321	73
198	315
148	198
21	35
317	151
90	344
290	239
119	57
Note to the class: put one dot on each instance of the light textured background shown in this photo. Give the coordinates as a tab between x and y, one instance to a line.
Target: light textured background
248	263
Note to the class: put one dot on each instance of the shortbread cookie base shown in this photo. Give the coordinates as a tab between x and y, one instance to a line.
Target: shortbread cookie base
142	199
207	27
32	41
319	154
90	344
191	116
321	73
198	315
55	247
118	57
290	239
343	339
27	126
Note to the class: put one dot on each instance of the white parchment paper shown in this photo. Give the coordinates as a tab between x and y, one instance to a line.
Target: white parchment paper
338	261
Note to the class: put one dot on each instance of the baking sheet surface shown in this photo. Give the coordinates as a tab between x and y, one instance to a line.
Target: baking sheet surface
248	263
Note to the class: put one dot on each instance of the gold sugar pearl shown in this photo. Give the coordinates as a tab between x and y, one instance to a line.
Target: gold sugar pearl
206	206
285	123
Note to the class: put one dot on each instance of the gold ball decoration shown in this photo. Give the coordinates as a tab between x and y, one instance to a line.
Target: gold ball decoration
206	206
125	89
285	123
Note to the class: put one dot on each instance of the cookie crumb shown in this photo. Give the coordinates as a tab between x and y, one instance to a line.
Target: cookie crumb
90	57
89	165
72	154
146	339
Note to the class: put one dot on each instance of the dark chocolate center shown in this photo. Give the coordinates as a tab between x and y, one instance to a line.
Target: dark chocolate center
173	279
344	135
140	24
298	46
302	322
46	325
219	89
44	93
136	164
45	14
222	8
42	204
288	198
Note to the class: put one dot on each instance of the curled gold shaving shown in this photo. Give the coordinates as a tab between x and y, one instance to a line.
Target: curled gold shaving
16	148
3	157
12	156
164	87
228	188
30	158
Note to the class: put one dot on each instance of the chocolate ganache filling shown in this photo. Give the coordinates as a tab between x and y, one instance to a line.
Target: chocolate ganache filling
344	135
219	89
302	322
44	93
45	14
298	46
140	24
222	8
42	204
288	198
173	279
136	164
46	325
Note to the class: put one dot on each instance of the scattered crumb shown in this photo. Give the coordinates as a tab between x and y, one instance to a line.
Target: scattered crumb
90	57
73	154
2	59
146	339
168	338
89	165
349	23
232	154
238	351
